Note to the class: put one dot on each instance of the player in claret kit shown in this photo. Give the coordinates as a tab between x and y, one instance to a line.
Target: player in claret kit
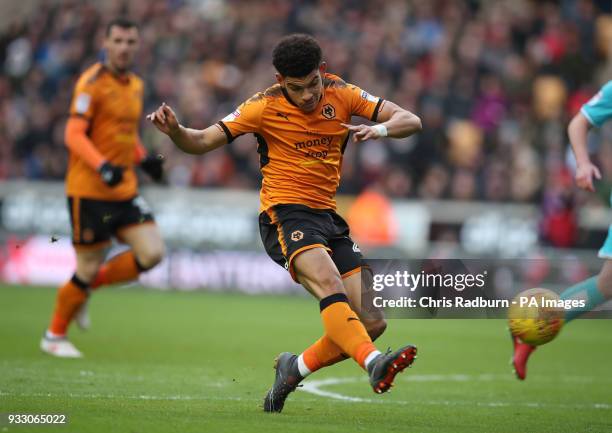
596	290
101	184
302	130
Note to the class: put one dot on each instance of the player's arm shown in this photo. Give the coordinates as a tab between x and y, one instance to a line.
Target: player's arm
585	170
77	140
393	121
194	141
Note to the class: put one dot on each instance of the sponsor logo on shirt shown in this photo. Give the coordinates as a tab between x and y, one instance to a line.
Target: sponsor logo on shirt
365	95
232	116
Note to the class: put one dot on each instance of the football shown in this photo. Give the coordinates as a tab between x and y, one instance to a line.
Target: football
535	316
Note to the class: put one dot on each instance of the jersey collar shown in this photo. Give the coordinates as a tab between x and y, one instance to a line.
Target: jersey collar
286	95
120	78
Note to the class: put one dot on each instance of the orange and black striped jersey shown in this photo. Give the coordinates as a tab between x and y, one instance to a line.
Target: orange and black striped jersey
113	107
301	153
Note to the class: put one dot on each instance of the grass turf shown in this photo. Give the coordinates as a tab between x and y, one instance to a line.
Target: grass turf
201	362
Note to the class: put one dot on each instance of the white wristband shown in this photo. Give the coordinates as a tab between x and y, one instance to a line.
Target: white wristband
380	129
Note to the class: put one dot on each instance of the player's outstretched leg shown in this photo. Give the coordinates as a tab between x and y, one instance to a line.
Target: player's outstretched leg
319	275
594	291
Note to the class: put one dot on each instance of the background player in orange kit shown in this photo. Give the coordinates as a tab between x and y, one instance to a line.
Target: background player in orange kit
101	184
302	132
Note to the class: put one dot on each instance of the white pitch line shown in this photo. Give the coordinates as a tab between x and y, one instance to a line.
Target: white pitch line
315	387
127	397
312	387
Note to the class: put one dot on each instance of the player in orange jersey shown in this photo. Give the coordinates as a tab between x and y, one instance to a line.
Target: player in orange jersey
101	184
302	130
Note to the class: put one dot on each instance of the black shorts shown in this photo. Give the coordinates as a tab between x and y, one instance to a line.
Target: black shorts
94	222
288	229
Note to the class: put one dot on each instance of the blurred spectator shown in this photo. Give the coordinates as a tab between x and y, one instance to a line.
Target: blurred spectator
495	83
372	220
559	225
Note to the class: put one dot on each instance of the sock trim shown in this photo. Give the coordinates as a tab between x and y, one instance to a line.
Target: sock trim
332	299
79	283
302	367
370	358
53	336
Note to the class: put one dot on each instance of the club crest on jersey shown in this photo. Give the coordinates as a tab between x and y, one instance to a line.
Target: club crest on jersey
328	111
297	236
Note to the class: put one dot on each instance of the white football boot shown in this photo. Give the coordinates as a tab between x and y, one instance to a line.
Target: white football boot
59	346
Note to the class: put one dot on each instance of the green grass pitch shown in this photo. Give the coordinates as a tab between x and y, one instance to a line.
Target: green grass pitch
201	362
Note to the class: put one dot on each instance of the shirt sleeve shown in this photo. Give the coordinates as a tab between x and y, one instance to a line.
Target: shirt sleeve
599	108
83	100
363	104
245	119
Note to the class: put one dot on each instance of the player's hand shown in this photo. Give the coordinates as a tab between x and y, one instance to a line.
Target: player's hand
362	132
153	166
584	176
164	119
111	174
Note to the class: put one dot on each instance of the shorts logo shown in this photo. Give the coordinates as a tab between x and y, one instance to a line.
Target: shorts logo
328	111
142	205
297	236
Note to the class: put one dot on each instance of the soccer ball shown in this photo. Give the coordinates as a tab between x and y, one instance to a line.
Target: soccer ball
535	316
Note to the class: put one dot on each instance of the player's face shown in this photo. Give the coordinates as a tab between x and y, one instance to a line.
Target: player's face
305	92
121	45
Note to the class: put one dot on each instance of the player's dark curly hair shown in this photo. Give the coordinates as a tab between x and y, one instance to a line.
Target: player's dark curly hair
122	22
296	55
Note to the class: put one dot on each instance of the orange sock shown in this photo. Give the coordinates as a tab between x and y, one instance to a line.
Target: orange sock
345	329
69	298
322	353
122	267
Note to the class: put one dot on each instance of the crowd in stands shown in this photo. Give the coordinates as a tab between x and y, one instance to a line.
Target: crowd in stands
494	82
